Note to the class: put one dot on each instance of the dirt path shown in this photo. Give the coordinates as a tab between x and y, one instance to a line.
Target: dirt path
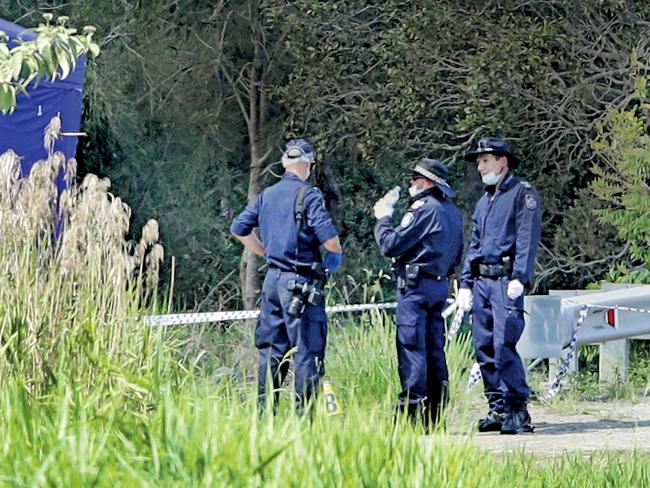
580	427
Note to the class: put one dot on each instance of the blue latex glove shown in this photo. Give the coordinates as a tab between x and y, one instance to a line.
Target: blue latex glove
332	261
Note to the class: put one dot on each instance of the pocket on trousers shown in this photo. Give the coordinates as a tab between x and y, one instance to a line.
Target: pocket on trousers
262	335
514	326
512	310
407	335
316	332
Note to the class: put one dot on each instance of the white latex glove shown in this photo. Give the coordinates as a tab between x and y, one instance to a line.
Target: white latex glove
464	299
392	196
515	289
383	209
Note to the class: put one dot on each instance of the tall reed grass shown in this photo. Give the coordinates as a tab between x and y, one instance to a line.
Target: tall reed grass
72	286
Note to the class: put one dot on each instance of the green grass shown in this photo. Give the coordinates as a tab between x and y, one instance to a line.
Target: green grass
91	397
197	433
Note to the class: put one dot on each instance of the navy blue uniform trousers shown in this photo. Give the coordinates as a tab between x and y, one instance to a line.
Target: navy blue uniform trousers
421	340
277	333
497	325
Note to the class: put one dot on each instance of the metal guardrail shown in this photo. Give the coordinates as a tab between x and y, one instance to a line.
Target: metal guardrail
614	314
550	319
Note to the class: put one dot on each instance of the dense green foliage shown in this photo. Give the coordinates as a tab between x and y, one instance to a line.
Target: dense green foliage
397	80
624	181
376	85
53	54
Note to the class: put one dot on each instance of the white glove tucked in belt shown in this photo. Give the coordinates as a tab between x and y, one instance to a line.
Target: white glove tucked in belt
515	289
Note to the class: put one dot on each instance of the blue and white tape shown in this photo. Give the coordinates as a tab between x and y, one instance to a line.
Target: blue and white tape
202	318
205	317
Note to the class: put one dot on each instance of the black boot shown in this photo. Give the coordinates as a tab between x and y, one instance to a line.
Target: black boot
491	423
436	404
415	410
517	422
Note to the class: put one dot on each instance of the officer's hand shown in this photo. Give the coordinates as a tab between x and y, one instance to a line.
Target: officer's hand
383	209
515	289
464	299
332	261
392	196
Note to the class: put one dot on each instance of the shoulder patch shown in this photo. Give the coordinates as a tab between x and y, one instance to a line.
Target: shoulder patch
525	184
417	204
406	220
531	201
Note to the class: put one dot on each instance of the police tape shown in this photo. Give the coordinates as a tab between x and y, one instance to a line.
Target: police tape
205	317
607	307
564	366
474	376
455	323
573	344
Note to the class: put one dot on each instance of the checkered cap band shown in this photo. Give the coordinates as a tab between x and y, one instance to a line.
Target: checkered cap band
428	174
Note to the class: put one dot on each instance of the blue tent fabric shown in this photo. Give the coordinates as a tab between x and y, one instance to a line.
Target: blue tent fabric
22	131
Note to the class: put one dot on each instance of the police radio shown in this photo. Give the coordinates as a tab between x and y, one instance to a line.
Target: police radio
310	292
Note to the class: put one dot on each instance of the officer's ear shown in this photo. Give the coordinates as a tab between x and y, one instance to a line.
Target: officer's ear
503	161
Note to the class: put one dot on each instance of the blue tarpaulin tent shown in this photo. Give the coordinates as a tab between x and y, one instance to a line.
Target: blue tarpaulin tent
22	131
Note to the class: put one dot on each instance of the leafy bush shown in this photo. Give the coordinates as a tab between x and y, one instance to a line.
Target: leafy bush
624	181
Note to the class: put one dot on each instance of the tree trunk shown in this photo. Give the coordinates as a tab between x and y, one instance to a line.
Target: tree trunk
251	279
331	192
256	121
472	191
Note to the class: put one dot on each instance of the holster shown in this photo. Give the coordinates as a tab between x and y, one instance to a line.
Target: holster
407	275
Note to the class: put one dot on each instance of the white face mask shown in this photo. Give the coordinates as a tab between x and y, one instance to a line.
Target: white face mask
415	191
491	178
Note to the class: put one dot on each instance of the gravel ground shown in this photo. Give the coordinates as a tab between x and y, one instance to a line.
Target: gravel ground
577	427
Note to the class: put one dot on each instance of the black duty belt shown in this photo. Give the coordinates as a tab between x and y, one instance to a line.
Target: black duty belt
434	275
493	270
409	274
301	270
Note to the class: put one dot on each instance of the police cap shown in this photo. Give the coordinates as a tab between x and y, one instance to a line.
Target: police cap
298	151
492	145
436	171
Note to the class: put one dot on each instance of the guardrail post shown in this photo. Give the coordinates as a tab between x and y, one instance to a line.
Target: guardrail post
613	361
554	366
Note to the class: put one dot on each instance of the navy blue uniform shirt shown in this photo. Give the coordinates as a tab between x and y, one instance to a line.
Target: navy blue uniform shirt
273	211
429	235
506	222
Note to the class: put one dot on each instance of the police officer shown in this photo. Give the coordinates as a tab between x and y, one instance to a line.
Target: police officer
290	242
428	246
498	268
